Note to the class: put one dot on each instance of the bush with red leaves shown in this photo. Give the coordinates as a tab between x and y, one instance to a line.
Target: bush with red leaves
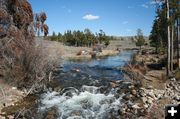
21	61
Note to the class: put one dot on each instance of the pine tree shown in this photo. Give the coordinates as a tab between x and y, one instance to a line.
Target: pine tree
140	38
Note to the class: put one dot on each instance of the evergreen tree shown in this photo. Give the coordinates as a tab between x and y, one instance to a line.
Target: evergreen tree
54	36
140	38
165	30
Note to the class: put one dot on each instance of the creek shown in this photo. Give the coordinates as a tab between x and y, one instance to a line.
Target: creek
89	89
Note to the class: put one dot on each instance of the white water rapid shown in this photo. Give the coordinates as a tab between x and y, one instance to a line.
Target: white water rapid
86	104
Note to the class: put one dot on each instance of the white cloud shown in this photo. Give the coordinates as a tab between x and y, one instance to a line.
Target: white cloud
125	22
145	5
90	17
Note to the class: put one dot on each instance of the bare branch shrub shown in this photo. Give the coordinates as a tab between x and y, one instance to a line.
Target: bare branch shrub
31	65
134	72
23	62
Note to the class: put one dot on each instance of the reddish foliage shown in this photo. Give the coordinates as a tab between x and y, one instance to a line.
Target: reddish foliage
22	60
3	14
43	17
24	10
16	18
45	29
15	12
39	23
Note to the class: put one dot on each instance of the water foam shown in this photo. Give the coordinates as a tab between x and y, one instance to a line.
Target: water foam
83	105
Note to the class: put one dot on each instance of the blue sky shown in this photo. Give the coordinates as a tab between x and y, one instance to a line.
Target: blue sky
115	17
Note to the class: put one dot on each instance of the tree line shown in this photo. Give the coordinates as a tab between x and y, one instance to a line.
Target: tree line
82	38
165	31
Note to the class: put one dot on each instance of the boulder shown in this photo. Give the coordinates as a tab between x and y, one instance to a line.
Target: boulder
134	92
127	96
136	106
149	100
152	95
144	99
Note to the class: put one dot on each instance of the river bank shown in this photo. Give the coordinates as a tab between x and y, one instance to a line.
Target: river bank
155	90
83	53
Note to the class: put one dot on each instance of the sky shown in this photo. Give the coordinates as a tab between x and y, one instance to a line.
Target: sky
114	17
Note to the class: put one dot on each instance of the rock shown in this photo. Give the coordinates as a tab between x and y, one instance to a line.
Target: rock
125	85
150	100
77	70
138	96
136	106
150	87
122	110
176	87
171	84
76	113
130	104
144	99
131	86
49	117
173	79
52	114
127	96
167	85
128	110
114	85
134	92
14	88
177	97
142	88
151	94
146	106
158	96
171	93
2	117
142	94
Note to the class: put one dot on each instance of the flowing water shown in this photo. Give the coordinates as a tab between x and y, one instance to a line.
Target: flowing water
87	89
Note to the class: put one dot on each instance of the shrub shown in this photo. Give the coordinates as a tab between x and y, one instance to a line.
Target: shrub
28	67
23	61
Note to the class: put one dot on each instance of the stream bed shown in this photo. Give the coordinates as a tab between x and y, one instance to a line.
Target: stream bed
91	89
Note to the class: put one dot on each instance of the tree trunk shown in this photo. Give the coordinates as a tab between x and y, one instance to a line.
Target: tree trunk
178	40
156	49
169	46
172	46
76	44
